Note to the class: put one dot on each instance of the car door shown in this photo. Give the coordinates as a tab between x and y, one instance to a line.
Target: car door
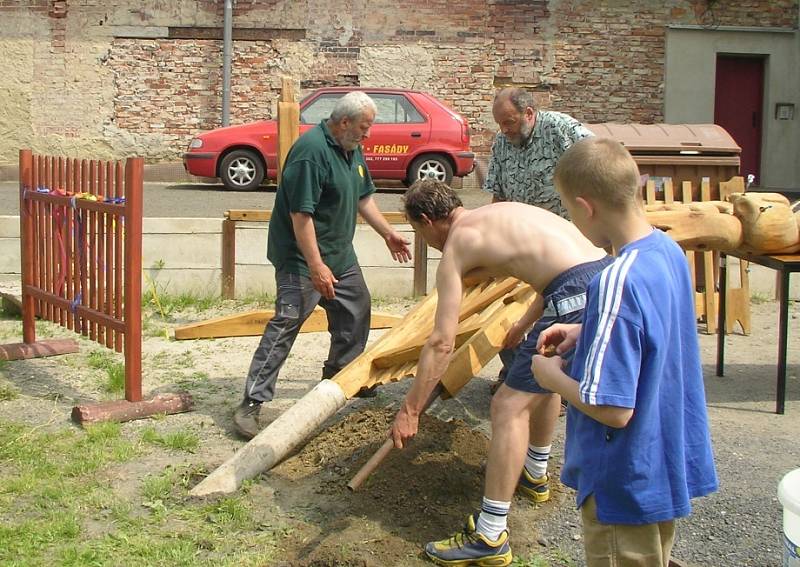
398	132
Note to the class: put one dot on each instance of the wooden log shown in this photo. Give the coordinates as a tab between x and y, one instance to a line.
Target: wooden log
276	440
768	224
123	410
38	349
252	324
699	230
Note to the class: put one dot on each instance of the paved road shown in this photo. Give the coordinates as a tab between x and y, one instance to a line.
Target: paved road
211	201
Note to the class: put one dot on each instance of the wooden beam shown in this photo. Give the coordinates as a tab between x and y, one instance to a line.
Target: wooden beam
475	353
256	215
228	259
253	323
410	352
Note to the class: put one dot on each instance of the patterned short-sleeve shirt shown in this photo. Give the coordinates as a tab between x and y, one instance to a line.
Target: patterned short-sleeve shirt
525	174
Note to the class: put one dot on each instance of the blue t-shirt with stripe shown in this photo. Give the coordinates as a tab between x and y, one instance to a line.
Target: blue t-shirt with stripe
638	349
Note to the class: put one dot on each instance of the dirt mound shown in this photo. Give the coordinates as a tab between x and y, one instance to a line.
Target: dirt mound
422	493
416	495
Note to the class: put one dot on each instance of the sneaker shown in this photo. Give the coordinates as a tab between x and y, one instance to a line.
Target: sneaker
535	489
468	547
245	418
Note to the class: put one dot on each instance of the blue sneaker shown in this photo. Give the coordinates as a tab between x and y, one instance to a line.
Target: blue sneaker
468	547
535	489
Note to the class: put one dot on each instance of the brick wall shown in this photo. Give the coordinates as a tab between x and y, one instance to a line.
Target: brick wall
598	60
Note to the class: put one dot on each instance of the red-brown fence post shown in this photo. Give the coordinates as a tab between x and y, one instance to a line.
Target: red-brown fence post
26	243
134	176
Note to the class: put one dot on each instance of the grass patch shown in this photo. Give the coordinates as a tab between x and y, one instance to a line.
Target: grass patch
56	511
115	370
176	440
7	391
758	298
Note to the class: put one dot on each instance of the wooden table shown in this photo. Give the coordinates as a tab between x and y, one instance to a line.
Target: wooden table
785	265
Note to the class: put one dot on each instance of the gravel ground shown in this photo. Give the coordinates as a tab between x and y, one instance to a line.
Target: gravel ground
738	526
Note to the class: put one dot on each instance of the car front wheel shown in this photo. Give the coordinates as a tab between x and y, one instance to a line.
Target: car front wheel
241	170
433	166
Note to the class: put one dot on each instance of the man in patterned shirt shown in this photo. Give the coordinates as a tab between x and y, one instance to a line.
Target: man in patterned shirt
524	157
526	150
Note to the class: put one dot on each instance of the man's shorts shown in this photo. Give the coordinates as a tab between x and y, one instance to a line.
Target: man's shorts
564	300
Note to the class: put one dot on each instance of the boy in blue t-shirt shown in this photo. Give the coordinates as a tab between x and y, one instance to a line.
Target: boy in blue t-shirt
637	443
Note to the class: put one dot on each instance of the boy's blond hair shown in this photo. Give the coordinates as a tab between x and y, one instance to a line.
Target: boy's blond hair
600	169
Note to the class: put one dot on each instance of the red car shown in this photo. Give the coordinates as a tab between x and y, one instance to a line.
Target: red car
414	135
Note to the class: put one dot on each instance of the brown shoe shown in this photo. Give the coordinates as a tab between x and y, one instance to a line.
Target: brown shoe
245	418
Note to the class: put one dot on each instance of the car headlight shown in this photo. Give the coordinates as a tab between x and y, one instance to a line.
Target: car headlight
195	143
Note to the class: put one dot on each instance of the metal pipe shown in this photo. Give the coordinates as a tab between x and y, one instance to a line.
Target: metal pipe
227	48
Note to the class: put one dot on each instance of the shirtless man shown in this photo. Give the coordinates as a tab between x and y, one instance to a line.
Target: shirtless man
545	251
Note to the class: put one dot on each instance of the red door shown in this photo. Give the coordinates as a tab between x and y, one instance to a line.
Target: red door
738	101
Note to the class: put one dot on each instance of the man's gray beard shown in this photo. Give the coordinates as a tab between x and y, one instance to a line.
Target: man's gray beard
524	133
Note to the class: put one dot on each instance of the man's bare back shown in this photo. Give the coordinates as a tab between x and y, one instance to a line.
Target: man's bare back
514	239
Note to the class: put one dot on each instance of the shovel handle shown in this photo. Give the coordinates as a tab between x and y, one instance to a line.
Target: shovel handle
371	464
386	448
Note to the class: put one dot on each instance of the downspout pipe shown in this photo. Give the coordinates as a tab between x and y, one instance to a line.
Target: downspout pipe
227	49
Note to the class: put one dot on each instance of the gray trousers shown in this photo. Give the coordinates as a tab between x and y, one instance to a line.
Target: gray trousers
348	324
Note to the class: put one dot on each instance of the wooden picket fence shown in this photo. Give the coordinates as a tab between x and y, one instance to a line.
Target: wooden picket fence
703	265
81	250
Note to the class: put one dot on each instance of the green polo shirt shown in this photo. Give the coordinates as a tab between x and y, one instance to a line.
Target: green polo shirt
321	179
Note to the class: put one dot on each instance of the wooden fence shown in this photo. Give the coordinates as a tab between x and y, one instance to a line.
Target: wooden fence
81	251
704	265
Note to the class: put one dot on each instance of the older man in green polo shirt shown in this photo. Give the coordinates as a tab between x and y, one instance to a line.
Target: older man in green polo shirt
325	184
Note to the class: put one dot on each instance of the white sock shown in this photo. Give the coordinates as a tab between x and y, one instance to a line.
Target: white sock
493	518
536	460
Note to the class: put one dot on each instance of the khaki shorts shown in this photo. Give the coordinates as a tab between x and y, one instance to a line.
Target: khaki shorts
623	545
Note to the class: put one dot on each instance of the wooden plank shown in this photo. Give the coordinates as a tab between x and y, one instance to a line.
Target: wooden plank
410	352
650	191
708	271
669	193
253	323
686	197
257	215
360	373
488	295
474	354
